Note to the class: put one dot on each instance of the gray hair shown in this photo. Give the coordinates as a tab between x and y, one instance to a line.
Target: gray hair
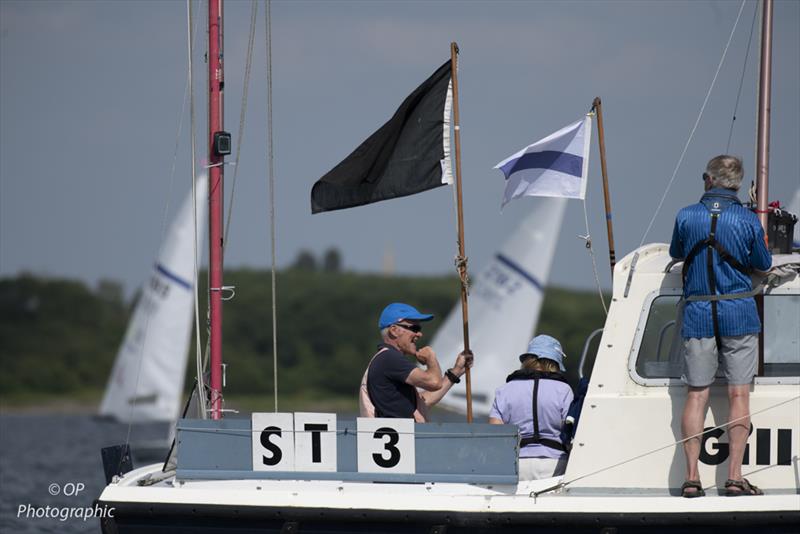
725	171
385	332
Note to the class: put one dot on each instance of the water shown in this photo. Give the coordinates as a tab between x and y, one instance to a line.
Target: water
43	455
37	451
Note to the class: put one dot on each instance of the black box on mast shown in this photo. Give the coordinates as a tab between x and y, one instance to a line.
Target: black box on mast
222	143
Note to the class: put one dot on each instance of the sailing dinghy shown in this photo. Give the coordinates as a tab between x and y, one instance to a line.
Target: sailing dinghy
146	382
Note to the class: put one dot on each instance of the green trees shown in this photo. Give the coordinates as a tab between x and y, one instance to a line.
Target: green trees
59	337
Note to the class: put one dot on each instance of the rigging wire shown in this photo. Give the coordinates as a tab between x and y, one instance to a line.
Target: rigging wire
588	239
201	394
694	128
162	233
270	165
242	116
741	80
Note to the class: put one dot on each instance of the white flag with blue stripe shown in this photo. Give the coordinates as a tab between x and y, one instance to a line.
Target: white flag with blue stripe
555	166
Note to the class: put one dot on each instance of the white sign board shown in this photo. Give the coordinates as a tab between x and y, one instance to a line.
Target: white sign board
273	441
315	442
385	445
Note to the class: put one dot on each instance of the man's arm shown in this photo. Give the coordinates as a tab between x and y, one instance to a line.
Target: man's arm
676	247
431	378
462	362
760	258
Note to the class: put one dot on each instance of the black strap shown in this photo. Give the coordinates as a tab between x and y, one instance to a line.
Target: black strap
535	403
537	439
712	278
553	444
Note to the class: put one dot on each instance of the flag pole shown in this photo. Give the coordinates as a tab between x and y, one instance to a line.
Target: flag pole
461	260
597	106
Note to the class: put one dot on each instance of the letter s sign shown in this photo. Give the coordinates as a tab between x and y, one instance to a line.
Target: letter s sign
273	441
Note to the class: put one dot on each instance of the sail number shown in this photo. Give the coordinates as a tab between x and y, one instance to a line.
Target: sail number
308	442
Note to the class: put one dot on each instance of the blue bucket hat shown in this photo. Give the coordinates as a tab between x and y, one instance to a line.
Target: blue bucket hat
397	311
548	347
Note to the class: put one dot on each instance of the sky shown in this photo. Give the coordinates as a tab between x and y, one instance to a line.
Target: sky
92	95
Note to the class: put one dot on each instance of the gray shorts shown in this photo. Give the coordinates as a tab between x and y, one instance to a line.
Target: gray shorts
738	354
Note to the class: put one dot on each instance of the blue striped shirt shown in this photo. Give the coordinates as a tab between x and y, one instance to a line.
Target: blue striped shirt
740	233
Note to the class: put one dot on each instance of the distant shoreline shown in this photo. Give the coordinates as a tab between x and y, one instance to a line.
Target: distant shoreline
87	404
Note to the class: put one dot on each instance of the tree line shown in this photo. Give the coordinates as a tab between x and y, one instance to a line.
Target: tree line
60	337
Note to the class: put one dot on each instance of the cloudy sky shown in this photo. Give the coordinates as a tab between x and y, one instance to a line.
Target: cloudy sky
91	95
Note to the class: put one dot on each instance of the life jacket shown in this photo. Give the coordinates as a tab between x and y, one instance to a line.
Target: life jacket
574	413
366	408
536	438
711	244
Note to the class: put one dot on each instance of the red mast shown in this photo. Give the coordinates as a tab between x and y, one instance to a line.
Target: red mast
764	100
216	82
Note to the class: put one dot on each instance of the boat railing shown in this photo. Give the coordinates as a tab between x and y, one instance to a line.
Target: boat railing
585	352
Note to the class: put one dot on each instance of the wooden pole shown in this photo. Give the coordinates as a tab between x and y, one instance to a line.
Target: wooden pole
598	107
461	261
764	98
762	147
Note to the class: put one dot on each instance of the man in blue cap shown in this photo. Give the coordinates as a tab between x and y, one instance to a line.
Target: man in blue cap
389	386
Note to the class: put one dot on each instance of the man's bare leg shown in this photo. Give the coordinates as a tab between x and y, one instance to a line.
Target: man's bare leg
692	424
738	432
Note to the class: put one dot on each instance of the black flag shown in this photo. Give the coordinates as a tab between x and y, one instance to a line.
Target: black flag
405	156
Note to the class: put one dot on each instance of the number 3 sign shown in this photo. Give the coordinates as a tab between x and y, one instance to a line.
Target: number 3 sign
385	445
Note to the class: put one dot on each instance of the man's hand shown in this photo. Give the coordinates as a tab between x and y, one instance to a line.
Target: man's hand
463	362
424	355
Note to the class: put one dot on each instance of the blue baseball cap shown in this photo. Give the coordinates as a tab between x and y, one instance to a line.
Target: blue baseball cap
397	311
548	347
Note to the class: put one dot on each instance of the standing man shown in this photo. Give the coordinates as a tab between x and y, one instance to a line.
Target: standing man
721	243
389	386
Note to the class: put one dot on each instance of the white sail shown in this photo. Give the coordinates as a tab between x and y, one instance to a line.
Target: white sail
147	379
504	304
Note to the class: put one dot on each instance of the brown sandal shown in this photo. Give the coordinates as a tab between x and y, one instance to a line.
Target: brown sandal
744	488
695	485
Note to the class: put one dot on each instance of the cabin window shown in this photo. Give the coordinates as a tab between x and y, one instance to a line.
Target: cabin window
781	335
660	353
660	349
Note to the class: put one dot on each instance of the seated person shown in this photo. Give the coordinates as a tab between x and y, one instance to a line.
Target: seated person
536	399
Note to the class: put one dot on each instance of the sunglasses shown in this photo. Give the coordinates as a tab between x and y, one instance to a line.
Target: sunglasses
410	327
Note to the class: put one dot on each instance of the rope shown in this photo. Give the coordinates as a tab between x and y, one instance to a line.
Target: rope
268	22
679	442
242	116
201	394
588	239
741	81
694	128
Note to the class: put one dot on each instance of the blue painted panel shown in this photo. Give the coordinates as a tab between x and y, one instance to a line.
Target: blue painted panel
466	449
210	445
445	452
